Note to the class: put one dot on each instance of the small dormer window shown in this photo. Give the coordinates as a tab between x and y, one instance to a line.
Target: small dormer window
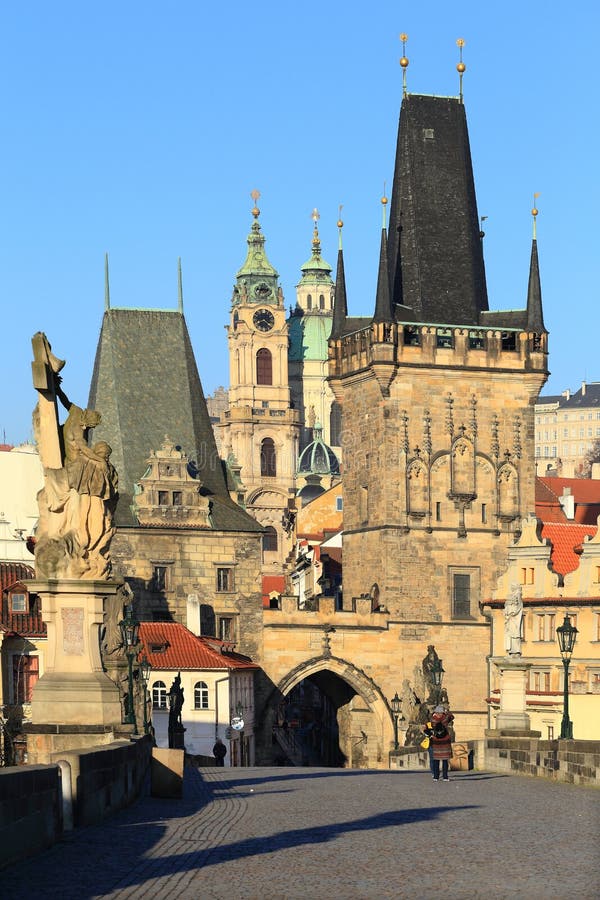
18	603
163	498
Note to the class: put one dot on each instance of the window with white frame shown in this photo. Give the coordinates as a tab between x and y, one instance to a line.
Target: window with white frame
18	603
159	695
539	680
201	695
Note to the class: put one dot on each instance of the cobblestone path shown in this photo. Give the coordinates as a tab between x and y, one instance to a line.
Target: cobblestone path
282	834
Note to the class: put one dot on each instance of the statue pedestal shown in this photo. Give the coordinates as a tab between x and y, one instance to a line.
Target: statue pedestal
513	681
74	690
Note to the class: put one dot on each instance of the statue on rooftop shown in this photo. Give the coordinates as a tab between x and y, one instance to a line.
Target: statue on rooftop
513	618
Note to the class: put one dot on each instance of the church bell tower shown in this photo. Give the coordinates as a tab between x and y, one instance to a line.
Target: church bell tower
260	429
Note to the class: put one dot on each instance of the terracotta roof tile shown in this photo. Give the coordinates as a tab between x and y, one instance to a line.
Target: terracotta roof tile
185	650
567	540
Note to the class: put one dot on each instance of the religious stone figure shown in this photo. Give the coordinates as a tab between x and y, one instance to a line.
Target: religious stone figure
513	618
79	495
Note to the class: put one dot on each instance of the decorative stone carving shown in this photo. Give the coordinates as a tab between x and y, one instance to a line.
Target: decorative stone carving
513	618
79	496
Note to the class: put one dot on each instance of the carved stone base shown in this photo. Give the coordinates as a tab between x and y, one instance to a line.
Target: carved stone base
513	681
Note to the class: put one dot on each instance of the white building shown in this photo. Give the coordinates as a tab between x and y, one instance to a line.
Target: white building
218	689
21	478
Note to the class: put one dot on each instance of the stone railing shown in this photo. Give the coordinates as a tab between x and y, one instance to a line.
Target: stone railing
576	762
80	787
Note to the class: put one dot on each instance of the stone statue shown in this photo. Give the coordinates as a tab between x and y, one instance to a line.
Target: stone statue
428	668
79	496
513	618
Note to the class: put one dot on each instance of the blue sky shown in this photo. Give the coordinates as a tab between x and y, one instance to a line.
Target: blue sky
140	128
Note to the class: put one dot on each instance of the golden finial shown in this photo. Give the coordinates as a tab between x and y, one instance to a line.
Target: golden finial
384	201
460	68
404	61
315	217
255	210
340	224
534	213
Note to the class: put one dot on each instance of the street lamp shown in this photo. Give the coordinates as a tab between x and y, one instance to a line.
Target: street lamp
145	669
567	635
396	704
129	632
437	673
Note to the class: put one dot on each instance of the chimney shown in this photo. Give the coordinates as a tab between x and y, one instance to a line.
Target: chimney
567	394
567	501
583	387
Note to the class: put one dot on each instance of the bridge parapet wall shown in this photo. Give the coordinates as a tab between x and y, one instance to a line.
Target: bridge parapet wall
574	762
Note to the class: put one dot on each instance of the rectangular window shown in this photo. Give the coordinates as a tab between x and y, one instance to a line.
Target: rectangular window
550	732
412	337
224	580
26	671
544	627
461	600
539	680
444	338
161	578
163	498
339	503
363	504
177	498
483	513
226	628
476	340
18	603
438	511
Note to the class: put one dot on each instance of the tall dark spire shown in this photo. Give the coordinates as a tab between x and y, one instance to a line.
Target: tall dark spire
383	299
340	305
535	316
435	253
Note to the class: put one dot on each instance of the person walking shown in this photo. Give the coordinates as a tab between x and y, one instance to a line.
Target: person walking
440	741
219	752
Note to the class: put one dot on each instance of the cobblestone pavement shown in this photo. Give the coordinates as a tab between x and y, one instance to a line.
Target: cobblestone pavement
281	834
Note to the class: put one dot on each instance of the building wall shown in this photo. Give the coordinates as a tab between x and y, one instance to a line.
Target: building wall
193	558
565	429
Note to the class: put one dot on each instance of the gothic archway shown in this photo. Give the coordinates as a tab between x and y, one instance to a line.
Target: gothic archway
327	712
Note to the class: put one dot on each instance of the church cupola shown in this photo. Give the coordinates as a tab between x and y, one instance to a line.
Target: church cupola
257	280
314	291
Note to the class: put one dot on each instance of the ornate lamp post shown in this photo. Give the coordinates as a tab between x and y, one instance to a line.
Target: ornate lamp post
437	673
145	669
129	631
396	705
567	635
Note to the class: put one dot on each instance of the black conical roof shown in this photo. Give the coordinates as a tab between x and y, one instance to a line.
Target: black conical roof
383	300
146	385
535	315
435	253
340	305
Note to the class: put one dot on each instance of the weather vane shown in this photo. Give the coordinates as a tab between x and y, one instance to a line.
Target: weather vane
255	195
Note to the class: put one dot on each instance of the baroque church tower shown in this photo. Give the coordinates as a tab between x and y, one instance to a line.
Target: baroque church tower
260	428
437	394
309	327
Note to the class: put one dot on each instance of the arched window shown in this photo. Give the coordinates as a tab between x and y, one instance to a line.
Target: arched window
269	541
309	301
159	695
201	695
264	367
321	301
268	462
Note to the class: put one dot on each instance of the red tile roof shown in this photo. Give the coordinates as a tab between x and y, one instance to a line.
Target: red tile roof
567	541
585	493
185	650
11	572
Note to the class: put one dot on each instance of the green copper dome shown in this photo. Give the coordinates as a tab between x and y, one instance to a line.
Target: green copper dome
308	336
318	458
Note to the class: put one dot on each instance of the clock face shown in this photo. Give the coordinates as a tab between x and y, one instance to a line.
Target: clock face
263	319
262	290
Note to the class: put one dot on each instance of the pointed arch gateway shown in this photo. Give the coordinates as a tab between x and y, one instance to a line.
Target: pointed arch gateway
349	724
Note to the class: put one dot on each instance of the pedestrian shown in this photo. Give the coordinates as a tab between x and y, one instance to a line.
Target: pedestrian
219	752
440	742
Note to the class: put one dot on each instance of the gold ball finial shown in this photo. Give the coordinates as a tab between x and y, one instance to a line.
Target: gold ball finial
404	58
384	200
340	224
460	67
460	42
534	211
255	210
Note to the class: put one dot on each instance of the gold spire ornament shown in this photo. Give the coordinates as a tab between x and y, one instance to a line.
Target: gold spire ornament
255	210
404	61
460	67
384	201
534	213
340	224
315	216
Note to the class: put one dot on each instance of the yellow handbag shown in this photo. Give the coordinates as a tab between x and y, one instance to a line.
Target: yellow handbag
425	743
